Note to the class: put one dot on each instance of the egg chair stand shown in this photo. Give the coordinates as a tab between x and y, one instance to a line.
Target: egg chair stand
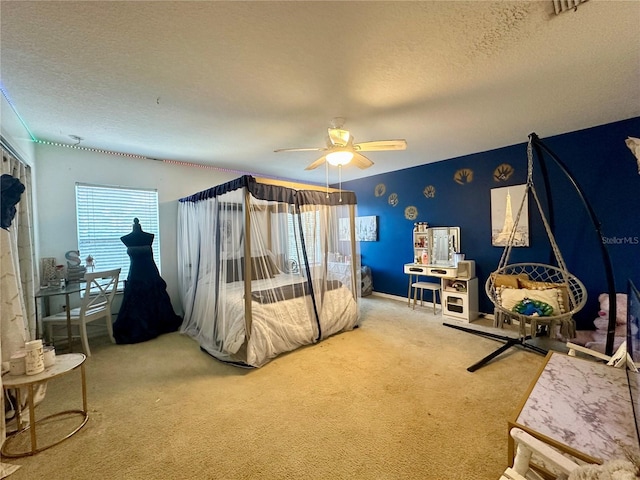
508	343
573	291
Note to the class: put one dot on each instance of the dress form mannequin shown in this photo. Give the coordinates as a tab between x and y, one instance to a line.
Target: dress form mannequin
137	237
146	309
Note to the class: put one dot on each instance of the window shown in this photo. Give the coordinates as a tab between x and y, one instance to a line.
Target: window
104	214
311	228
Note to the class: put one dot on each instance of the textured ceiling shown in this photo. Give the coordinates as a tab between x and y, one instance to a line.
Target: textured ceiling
226	83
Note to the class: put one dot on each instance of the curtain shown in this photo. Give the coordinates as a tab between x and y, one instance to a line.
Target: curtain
17	288
256	269
22	238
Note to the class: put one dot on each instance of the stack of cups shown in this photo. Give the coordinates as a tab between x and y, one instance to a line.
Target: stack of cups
17	363
34	362
49	356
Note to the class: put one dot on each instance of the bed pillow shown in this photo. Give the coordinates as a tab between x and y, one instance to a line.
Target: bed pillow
509	297
271	263
564	289
259	269
510	281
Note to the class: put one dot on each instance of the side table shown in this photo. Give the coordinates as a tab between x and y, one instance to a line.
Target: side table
46	293
65	363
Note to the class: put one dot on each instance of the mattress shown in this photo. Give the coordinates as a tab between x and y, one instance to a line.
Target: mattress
276	326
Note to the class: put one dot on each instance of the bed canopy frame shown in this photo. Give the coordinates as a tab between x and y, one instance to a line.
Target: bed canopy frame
573	291
291	292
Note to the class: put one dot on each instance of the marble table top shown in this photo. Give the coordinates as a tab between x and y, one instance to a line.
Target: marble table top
64	364
584	405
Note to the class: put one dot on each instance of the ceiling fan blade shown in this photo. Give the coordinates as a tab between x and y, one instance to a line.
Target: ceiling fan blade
317	163
310	149
380	145
360	161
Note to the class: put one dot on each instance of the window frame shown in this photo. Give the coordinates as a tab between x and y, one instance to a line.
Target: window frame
116	207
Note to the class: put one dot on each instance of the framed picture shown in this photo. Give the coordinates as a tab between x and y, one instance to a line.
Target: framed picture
505	203
366	229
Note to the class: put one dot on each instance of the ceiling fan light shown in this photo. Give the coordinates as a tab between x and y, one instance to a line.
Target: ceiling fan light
340	157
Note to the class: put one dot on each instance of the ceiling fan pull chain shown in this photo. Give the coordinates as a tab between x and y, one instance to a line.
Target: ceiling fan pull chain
326	174
340	180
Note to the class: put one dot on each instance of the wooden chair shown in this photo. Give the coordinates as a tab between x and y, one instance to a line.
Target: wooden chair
95	304
527	446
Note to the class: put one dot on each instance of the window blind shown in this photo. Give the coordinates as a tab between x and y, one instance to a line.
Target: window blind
311	229
106	213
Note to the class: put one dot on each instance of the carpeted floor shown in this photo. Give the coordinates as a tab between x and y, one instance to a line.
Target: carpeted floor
389	400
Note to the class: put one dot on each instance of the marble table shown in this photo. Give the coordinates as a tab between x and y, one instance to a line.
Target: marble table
64	364
581	407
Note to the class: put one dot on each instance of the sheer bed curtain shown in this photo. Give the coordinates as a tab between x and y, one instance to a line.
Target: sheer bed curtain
254	273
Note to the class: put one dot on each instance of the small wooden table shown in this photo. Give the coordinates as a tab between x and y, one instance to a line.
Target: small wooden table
64	364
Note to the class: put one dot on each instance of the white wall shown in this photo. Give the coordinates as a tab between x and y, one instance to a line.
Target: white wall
14	132
58	170
17	136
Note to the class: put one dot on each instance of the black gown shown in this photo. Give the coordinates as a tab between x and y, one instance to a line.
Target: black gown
146	309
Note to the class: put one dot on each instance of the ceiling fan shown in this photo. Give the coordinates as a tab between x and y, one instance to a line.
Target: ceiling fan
341	149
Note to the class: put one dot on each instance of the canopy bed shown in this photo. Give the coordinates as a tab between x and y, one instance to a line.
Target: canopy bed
286	296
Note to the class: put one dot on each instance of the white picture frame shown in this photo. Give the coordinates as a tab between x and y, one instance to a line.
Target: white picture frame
366	229
505	203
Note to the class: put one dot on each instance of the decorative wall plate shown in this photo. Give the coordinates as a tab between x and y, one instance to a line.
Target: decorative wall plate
379	190
393	199
464	175
503	172
411	213
429	191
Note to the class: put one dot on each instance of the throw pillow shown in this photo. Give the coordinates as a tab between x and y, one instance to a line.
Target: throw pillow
510	281
509	297
564	289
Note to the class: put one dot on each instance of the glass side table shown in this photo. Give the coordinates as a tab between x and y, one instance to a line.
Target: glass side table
48	292
65	364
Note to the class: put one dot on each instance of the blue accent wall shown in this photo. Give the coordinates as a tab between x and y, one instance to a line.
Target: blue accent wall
598	160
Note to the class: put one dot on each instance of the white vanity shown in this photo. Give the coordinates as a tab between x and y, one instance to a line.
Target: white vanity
438	246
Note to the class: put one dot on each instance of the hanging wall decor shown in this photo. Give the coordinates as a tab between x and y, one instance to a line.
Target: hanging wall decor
393	199
380	190
411	213
503	172
429	191
504	201
634	145
462	176
367	229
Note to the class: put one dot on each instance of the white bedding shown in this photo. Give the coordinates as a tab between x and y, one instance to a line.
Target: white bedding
276	327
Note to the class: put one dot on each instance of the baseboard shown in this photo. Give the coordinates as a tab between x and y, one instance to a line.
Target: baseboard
404	299
389	296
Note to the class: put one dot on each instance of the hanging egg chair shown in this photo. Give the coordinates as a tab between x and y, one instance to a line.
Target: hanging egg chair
535	294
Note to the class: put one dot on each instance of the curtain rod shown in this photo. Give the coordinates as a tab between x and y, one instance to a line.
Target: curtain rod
7	146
